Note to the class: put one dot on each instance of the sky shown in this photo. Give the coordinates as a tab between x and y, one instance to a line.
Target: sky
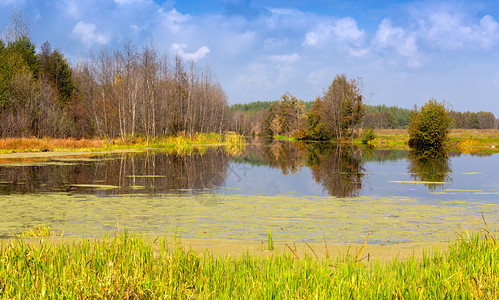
405	52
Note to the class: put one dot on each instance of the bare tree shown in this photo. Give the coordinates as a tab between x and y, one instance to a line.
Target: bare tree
18	29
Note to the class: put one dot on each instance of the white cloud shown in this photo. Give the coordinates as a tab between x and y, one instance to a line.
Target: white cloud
346	29
286	59
174	20
178	49
396	38
488	33
312	39
448	30
86	32
343	30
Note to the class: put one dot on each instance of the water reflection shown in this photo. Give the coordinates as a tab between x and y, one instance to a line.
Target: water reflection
304	168
337	168
434	172
285	156
278	184
127	173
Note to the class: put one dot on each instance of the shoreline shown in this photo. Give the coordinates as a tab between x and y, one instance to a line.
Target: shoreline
236	248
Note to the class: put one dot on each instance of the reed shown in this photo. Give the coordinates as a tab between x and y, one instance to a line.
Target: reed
234	144
128	265
37	231
270	242
48	144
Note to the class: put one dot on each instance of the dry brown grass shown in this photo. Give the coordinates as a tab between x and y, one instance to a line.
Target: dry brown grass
48	144
398	131
455	133
470	133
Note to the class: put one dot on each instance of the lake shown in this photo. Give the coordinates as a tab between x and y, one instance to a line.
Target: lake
303	192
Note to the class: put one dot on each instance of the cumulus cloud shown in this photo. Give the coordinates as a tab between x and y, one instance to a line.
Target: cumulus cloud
344	32
396	38
449	31
174	20
178	49
87	33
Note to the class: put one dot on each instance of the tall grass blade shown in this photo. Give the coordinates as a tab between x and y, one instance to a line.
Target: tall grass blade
313	251
292	251
358	255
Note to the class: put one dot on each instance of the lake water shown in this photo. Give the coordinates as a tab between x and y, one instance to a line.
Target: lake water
302	192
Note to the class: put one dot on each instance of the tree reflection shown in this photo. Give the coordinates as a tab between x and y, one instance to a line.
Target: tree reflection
286	156
128	173
337	168
432	171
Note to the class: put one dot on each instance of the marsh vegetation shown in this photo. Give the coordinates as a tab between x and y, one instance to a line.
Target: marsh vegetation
133	266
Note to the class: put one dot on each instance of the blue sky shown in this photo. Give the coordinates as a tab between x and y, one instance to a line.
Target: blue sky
406	52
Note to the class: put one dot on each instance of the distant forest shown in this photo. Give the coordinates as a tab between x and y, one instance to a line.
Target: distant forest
379	116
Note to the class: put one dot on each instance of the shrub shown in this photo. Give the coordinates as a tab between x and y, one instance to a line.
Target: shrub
368	135
429	128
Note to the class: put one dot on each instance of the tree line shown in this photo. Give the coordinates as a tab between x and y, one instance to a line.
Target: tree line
114	94
249	118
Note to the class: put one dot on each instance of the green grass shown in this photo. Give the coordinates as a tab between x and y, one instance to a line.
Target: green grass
287	138
270	242
463	140
37	231
134	266
180	143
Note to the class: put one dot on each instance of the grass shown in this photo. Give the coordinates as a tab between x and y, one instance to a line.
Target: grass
287	138
11	145
37	231
463	140
270	242
179	143
134	266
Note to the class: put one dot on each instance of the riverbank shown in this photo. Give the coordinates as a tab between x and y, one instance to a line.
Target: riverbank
130	265
462	140
22	145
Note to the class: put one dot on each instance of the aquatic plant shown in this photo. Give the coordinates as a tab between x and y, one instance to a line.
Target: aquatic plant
133	266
